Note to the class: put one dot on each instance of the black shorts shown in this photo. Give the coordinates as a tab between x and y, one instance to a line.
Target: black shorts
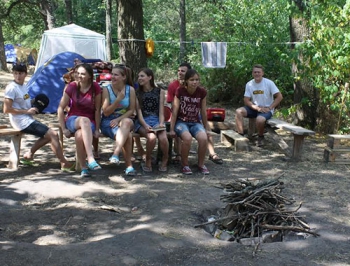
37	129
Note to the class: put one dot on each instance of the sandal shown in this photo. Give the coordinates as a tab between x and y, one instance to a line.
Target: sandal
68	169
25	161
93	166
85	173
114	159
130	171
163	169
215	158
146	169
177	159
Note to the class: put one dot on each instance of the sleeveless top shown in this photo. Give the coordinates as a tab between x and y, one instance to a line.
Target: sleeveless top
149	102
123	104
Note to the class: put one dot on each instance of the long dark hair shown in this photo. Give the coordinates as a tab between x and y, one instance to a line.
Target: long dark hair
140	90
88	68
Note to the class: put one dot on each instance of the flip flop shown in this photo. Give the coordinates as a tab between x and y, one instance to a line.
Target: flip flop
68	169
27	162
163	169
146	169
93	165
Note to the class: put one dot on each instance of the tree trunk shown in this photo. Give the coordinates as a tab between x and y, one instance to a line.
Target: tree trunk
69	11
3	64
109	29
130	34
303	89
182	30
47	7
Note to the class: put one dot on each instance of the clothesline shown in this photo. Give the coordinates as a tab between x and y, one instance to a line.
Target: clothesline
196	42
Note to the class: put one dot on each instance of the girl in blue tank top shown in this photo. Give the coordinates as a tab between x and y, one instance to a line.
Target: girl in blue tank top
118	105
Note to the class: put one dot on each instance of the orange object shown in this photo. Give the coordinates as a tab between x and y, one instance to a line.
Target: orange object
149	47
216	114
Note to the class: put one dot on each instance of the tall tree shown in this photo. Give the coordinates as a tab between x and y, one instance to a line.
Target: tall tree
69	11
182	30
47	13
130	34
109	29
305	94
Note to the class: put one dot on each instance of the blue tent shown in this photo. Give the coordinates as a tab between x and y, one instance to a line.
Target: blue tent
48	78
10	53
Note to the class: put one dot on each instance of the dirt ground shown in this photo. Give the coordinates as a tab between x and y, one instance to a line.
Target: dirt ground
53	218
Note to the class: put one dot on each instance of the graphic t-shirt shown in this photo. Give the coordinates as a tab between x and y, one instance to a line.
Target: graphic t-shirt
149	102
261	93
21	100
83	104
190	104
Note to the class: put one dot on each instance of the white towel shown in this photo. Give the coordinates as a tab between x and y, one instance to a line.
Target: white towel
214	54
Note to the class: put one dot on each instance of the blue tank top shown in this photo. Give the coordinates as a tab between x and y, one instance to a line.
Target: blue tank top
123	105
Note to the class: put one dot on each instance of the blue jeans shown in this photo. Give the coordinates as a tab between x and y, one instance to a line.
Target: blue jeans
193	128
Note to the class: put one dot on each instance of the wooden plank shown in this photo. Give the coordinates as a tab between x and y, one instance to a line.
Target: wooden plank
297	130
240	143
339	136
9	131
15	148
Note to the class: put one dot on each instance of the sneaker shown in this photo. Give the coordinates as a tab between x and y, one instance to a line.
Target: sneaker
260	141
85	173
186	170
204	170
114	159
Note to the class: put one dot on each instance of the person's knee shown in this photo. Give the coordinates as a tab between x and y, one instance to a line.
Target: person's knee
260	120
241	112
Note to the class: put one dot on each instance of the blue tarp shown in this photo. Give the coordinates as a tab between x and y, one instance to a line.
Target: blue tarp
48	78
10	53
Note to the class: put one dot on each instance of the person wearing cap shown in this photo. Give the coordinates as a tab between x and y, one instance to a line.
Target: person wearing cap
18	105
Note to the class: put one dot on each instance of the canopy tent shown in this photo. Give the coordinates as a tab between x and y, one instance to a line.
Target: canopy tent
71	38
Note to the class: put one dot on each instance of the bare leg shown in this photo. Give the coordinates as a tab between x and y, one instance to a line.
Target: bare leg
186	138
84	124
260	125
202	140
122	135
37	145
240	114
127	151
80	147
164	147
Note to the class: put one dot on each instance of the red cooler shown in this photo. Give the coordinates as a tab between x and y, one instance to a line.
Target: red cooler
216	114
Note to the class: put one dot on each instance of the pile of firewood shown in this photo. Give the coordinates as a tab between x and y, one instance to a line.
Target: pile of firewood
253	208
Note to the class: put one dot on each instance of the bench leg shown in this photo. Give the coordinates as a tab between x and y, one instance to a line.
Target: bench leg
15	148
298	146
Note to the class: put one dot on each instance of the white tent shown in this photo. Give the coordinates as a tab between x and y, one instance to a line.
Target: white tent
71	38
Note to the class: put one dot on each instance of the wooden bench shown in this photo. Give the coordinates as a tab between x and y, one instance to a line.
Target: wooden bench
334	149
231	137
242	144
15	145
299	134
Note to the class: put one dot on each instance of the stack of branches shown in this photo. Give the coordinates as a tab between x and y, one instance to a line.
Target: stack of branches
256	208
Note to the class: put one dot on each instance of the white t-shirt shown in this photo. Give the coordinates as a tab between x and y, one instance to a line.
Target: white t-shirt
261	93
21	100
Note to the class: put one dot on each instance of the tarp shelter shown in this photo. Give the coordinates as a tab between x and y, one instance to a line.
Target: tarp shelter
71	38
48	78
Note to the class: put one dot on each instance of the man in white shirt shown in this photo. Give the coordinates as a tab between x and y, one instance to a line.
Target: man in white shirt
18	105
261	96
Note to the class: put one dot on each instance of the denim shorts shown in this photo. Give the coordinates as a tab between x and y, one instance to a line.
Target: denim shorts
106	128
37	129
151	120
193	128
254	114
70	124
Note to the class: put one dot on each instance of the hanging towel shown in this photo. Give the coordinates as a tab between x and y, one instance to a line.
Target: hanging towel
214	54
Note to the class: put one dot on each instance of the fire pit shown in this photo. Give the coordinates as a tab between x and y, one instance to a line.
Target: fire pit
256	212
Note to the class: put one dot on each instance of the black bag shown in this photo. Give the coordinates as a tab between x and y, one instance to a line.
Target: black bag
41	101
